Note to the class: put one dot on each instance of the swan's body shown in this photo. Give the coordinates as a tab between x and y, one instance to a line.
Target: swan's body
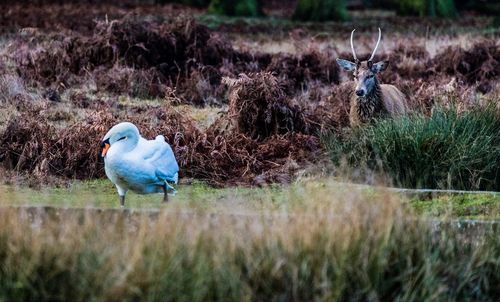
134	163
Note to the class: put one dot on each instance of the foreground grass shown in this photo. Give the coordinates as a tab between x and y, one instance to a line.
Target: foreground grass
327	244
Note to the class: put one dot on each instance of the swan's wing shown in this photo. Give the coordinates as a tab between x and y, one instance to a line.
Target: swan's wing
161	156
136	174
146	148
167	168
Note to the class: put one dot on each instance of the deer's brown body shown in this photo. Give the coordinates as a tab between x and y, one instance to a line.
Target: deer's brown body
371	99
386	101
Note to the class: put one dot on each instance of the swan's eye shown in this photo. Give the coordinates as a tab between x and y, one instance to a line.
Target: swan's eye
122	138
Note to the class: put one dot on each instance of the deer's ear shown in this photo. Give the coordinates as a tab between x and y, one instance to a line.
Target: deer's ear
346	65
379	66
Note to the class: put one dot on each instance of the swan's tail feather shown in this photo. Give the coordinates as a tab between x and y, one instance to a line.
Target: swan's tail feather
175	178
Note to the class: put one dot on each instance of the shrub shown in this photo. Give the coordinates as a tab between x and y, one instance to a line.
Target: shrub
320	10
244	8
259	107
434	8
447	150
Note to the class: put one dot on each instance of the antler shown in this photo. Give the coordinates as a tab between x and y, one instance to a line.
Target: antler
376	46
352	46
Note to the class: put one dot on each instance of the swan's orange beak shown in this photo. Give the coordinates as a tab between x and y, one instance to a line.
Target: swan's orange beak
105	150
105	147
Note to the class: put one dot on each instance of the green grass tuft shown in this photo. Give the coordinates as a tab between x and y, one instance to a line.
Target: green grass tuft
447	150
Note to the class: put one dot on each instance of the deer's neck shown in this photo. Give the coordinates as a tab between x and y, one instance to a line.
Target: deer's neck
370	105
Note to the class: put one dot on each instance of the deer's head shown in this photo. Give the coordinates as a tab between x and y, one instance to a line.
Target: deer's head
364	72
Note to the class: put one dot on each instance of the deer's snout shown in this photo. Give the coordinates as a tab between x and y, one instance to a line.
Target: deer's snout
360	92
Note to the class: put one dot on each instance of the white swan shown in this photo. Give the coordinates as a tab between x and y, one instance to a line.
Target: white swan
134	163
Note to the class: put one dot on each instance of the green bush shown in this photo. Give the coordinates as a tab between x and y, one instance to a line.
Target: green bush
242	8
434	8
447	150
320	10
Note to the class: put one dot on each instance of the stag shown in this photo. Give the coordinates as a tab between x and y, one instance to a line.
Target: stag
371	99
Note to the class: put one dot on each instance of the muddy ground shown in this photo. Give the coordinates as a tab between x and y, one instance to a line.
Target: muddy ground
240	101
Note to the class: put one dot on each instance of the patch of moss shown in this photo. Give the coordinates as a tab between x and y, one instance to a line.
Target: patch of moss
485	206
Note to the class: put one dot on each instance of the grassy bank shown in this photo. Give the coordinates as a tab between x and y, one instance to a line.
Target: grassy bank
326	245
102	194
446	150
